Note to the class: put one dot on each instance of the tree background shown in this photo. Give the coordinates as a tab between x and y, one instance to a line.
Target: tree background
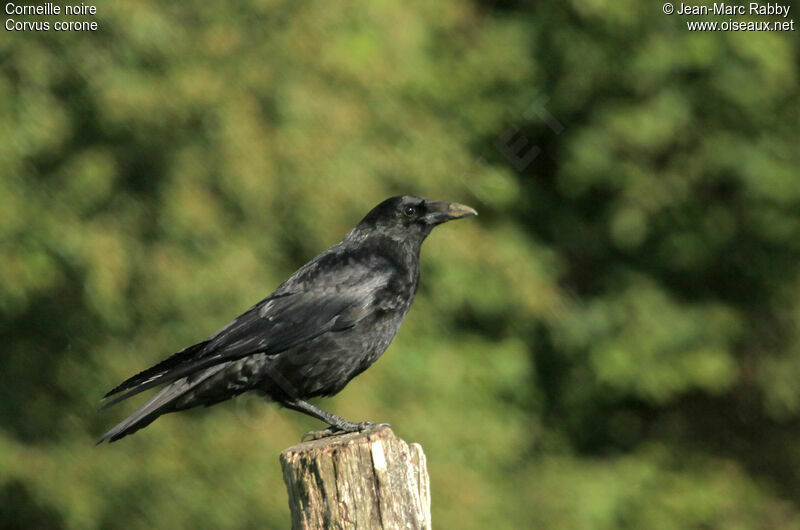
613	343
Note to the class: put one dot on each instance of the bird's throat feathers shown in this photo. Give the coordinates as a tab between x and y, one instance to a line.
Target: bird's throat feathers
401	244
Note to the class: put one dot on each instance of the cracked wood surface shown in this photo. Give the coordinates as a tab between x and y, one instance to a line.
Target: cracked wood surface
370	479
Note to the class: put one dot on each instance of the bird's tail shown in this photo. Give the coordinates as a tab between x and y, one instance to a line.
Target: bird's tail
168	399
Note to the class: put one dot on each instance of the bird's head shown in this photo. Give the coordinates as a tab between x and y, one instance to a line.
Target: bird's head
408	218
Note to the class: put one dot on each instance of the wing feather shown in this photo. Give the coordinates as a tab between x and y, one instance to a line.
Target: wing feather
291	316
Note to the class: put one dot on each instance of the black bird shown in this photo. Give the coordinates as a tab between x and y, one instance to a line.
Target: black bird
322	327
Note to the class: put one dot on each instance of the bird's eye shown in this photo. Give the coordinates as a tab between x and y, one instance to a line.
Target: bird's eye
409	211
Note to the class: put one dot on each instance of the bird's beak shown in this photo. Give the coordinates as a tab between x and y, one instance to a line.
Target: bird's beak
443	211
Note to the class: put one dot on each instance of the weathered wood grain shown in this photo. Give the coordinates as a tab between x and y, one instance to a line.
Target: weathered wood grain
371	479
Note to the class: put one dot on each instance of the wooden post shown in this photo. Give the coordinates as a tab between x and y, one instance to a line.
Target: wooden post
364	480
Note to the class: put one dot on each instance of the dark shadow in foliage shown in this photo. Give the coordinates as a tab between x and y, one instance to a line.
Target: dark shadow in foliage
53	329
605	423
22	510
506	5
478	320
735	426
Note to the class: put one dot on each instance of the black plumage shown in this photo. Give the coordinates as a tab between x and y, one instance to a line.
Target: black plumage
323	326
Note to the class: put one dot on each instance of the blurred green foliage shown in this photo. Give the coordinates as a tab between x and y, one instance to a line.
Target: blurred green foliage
613	343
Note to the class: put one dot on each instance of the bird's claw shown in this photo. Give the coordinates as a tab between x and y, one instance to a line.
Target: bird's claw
334	431
364	425
321	433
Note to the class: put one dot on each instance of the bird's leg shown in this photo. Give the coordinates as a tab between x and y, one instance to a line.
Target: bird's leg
337	424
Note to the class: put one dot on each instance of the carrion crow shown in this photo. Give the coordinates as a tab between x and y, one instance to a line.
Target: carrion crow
322	327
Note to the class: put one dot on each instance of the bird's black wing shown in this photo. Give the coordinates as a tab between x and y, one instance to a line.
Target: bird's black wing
289	317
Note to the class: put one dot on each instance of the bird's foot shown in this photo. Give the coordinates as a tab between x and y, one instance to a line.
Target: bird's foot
334	430
321	433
